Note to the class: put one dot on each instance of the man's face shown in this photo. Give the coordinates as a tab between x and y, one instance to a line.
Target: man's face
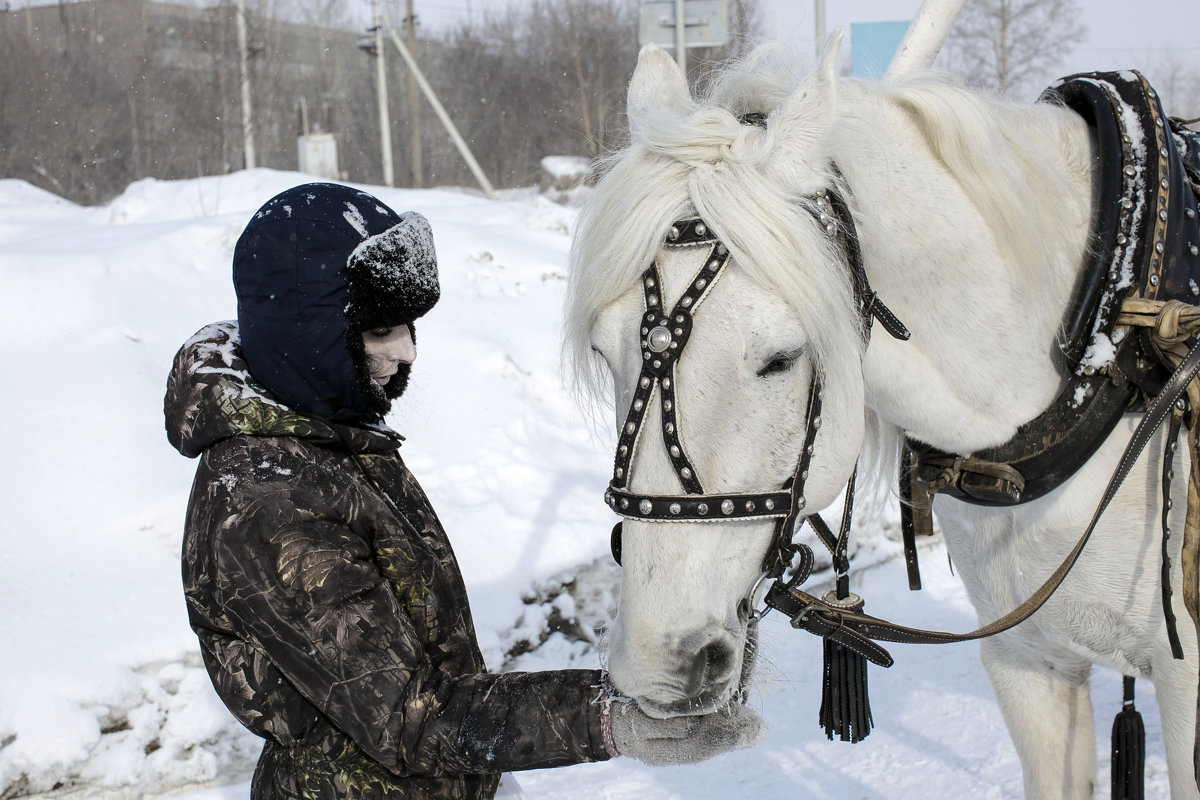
386	349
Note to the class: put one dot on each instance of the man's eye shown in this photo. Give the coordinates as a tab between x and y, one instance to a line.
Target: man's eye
381	332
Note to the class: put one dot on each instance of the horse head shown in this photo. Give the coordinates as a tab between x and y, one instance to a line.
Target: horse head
707	280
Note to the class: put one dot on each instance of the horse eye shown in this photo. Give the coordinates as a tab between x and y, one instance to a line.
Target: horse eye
780	362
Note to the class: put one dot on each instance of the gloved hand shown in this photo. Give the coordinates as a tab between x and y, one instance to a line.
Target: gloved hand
681	740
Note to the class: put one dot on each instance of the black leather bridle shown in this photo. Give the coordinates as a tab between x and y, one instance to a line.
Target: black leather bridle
664	335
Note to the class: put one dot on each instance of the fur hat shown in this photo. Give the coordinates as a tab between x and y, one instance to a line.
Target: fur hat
317	266
393	276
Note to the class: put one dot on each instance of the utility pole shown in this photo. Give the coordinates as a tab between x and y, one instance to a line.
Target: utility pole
248	154
680	37
385	122
414	102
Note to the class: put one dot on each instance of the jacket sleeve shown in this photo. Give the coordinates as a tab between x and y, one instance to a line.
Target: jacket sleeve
305	591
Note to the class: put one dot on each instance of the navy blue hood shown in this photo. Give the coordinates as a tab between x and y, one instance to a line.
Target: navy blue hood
317	265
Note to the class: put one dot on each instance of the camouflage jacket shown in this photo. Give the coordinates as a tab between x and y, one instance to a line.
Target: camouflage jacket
331	613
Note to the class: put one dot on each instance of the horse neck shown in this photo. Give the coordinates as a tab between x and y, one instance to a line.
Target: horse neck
983	314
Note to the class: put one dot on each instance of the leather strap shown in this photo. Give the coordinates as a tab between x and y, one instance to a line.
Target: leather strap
821	618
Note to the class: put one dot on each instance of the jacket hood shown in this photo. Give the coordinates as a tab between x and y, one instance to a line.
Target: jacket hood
316	266
212	396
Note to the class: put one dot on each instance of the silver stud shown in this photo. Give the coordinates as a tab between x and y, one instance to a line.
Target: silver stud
685	472
644	383
657	363
809	449
1121	239
673	234
624	503
624	450
1194	250
801	503
1165	183
620	472
667	405
685	302
702	509
674	346
608	498
679	317
630	428
650	282
650	316
675	451
1191	213
679	331
1162	151
750	506
645	506
1158	247
721	250
638	405
817	423
675	508
1154	280
700	229
770	504
1169	503
713	265
646	355
726	507
804	475
1158	121
659	339
700	284
666	383
1163	215
1126	202
670	428
1130	171
652	300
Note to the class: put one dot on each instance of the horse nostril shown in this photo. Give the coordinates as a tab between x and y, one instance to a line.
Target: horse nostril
711	667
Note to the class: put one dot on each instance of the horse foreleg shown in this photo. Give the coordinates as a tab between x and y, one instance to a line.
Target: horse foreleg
1048	711
1175	691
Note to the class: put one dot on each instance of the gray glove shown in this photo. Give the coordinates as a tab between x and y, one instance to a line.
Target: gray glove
681	740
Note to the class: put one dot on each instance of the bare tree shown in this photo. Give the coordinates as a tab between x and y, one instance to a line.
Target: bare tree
1008	44
1177	83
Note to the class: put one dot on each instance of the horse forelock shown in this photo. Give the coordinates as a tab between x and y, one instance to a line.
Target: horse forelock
708	164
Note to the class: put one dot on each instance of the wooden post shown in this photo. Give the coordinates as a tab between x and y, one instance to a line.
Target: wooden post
414	103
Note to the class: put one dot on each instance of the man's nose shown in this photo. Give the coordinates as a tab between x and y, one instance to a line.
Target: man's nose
405	352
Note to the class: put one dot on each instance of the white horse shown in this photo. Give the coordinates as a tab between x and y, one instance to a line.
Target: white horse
973	215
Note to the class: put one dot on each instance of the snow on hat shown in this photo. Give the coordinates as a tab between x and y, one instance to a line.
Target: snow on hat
393	277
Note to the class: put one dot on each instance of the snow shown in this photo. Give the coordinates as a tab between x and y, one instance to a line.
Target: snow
102	691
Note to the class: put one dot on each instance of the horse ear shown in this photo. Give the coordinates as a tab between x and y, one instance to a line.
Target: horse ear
799	125
657	85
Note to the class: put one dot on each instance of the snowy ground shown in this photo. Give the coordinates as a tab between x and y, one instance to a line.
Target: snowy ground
101	689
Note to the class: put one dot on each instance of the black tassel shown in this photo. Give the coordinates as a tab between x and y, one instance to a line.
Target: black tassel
845	706
1128	750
